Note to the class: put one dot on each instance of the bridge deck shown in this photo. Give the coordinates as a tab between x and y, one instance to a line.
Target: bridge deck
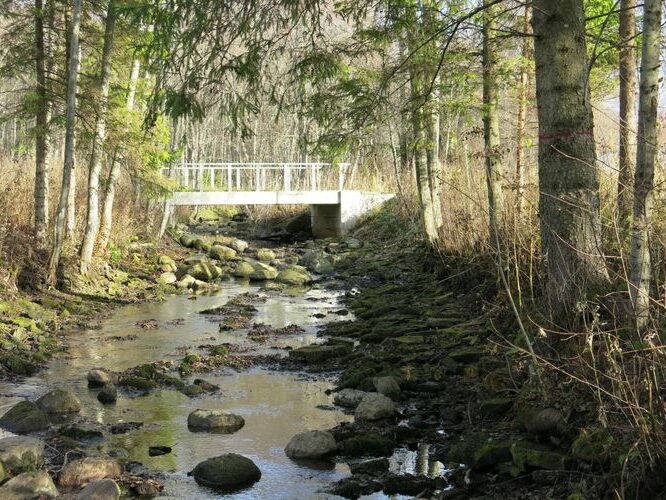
256	198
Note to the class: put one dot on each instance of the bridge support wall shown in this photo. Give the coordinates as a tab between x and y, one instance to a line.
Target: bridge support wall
332	221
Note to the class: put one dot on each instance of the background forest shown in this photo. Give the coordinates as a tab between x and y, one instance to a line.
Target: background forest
523	140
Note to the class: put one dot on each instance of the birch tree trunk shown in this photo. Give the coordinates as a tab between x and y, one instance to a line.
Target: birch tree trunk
568	177
115	169
645	160
68	166
42	134
627	156
95	167
519	178
71	204
491	134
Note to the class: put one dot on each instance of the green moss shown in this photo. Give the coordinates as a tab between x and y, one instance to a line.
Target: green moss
187	364
219	350
532	456
18	364
370	444
139	383
593	446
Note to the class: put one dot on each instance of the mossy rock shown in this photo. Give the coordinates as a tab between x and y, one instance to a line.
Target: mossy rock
219	350
372	445
201	245
465	450
265	254
528	456
18	364
220	252
352	378
263	272
294	275
27	323
243	269
192	390
466	355
24	417
138	383
593	446
495	407
186	366
314	354
187	240
227	472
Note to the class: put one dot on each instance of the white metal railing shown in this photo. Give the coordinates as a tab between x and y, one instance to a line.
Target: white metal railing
258	176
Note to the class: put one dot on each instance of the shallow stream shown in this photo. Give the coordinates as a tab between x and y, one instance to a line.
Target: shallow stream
275	405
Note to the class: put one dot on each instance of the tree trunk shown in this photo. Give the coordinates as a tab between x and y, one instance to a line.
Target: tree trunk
95	167
68	166
519	179
491	134
568	177
645	160
627	158
114	171
42	134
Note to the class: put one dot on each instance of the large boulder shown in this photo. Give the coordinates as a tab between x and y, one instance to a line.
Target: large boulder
294	275
227	472
312	444
21	454
79	472
374	406
99	377
349	398
28	486
23	418
59	401
214	421
221	252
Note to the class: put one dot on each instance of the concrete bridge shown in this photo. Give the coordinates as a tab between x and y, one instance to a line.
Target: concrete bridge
335	208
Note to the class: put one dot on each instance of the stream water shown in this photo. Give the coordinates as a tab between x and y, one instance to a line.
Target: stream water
275	405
